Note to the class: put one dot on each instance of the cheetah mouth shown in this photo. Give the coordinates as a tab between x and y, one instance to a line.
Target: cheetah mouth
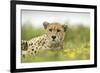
53	40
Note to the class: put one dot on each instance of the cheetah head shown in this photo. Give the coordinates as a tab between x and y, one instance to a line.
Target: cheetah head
55	31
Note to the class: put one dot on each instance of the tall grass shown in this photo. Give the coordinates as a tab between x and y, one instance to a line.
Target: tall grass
76	44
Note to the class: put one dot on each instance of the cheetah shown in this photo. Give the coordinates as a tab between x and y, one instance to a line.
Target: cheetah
52	39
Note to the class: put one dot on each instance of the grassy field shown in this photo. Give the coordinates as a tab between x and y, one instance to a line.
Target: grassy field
76	44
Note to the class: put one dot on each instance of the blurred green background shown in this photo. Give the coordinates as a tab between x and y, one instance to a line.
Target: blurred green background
76	44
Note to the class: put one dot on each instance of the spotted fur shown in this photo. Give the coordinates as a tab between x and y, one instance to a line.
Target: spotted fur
52	39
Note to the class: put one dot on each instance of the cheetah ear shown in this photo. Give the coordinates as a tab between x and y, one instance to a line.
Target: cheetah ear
65	27
45	24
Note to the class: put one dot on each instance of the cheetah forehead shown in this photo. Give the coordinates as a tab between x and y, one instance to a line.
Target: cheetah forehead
55	26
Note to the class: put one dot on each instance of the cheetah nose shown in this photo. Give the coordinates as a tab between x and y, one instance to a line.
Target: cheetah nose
53	37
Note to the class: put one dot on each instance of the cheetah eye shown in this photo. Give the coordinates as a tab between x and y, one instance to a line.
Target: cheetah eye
58	30
50	30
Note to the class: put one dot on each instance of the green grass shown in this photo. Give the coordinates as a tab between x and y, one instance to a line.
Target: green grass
76	44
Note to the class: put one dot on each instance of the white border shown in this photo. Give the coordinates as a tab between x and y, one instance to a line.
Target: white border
20	65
